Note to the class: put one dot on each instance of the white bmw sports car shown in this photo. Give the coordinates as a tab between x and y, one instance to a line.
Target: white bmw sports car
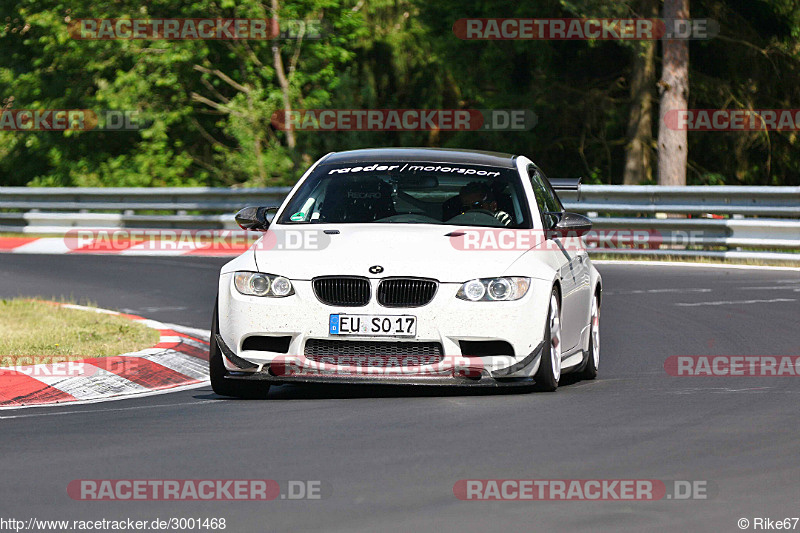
410	266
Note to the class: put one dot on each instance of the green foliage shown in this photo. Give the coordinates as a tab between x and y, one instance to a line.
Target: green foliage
212	102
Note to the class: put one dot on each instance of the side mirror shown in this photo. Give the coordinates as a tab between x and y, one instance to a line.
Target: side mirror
571	225
255	218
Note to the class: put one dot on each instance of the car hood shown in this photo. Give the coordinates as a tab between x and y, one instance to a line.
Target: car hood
419	250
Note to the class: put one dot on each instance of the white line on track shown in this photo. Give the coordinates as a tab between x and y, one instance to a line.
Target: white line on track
698	265
657	291
721	389
200	333
783	288
738	302
677	290
145	310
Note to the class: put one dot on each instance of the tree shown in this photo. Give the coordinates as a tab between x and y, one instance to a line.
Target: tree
639	136
639	151
674	88
211	102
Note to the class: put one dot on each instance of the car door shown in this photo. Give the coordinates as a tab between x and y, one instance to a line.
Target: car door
574	267
581	271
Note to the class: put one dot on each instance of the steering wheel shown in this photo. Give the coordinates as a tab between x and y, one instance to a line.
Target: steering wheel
481	211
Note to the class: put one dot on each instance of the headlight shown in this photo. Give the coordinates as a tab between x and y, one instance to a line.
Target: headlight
281	287
257	284
472	290
494	289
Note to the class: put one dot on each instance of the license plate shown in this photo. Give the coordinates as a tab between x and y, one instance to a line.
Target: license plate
374	325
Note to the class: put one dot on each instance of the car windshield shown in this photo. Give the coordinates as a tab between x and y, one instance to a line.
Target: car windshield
410	193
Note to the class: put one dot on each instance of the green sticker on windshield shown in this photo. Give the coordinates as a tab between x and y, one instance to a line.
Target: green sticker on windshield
297	217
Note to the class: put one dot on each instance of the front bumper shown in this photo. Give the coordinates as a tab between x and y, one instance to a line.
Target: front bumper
445	320
456	371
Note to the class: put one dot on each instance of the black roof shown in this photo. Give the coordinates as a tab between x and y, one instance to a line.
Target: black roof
422	155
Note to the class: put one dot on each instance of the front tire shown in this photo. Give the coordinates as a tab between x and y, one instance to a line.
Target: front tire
549	372
217	371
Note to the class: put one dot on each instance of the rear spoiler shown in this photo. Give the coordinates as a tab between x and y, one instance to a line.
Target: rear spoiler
566	184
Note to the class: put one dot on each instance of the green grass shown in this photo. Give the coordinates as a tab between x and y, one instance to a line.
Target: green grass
33	327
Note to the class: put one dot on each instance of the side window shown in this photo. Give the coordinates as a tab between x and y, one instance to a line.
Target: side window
559	207
545	198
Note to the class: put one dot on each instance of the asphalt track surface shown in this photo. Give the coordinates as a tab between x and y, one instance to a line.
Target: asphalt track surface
390	457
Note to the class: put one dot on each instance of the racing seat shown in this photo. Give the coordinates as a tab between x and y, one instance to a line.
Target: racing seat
357	199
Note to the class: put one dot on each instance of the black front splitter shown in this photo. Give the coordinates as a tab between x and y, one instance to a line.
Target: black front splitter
447	381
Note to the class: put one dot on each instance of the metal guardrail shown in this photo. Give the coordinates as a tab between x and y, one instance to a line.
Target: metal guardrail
132	199
617	212
55	210
722	200
772	223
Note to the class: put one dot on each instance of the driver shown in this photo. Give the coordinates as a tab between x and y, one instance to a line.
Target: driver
477	195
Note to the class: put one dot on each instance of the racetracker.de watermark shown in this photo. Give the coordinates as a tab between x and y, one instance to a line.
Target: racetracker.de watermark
405	119
386	366
207	241
72	119
496	239
378	365
49	366
584	29
733	365
195	29
581	489
197	489
733	119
